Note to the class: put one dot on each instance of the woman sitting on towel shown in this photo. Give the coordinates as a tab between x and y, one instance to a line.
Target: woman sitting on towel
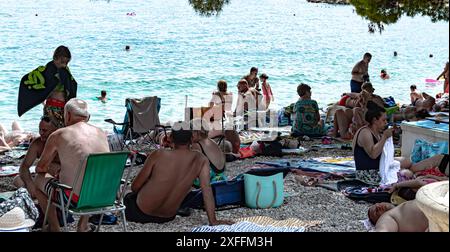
209	149
368	144
306	113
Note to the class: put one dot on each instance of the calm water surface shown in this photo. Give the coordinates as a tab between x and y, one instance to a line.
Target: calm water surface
175	52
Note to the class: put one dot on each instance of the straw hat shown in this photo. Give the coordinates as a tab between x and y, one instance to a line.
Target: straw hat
15	219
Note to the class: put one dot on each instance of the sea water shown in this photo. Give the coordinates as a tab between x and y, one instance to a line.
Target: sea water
177	53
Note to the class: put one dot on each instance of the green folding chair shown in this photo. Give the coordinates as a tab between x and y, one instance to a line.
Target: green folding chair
100	190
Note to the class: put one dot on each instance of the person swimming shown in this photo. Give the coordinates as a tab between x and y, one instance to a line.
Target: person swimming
384	75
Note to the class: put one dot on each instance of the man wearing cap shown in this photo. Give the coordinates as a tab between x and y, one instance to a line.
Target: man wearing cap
73	143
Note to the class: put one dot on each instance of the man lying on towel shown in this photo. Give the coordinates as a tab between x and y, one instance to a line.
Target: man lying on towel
166	179
406	217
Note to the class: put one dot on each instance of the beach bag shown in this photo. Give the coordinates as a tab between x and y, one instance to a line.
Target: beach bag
229	192
272	149
225	193
264	191
389	102
423	150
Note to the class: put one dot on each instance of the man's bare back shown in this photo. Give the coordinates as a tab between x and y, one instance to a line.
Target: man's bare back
166	179
73	144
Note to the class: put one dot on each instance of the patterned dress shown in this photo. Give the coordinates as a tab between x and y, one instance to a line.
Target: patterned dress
306	121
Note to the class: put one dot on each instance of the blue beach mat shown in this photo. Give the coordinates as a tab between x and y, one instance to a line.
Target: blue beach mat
311	165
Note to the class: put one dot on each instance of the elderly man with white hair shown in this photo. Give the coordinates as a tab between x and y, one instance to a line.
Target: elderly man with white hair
72	144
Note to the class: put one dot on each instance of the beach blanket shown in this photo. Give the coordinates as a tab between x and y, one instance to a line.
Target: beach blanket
337	160
340	185
368	194
246	226
248	137
12	170
298	150
290	222
312	165
6	160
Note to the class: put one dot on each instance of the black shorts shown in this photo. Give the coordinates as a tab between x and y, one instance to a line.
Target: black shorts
134	214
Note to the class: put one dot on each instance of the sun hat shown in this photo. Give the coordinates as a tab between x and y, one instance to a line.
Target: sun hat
14	220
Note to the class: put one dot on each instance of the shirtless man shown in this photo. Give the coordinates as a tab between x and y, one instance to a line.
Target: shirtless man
54	104
360	70
252	78
406	217
165	180
34	152
72	144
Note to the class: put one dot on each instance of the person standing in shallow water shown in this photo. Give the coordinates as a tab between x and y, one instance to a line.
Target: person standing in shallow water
360	72
252	78
266	89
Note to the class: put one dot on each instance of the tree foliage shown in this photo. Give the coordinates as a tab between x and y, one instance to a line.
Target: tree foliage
208	7
385	12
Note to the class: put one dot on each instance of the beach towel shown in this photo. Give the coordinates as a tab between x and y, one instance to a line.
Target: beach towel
246	226
20	198
298	150
12	170
340	185
311	165
368	194
388	166
36	86
290	222
423	149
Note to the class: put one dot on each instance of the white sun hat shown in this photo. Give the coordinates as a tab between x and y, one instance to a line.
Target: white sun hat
14	220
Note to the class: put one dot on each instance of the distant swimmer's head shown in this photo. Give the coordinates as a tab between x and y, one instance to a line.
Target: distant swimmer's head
395	54
127	48
62	56
103	93
431	55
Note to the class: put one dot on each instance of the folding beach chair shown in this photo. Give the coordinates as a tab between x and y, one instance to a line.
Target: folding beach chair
140	118
100	189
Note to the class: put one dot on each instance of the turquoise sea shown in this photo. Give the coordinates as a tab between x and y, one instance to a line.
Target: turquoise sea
175	52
